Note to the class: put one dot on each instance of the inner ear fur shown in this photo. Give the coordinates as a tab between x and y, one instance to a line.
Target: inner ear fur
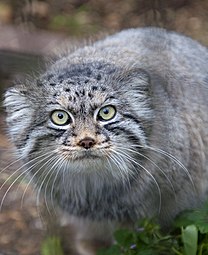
14	98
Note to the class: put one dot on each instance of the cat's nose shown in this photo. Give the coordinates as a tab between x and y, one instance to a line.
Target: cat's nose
87	142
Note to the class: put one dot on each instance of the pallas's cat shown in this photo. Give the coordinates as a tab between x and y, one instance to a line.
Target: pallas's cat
117	130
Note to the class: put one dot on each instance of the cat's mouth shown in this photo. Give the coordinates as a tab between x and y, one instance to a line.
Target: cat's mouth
87	155
83	155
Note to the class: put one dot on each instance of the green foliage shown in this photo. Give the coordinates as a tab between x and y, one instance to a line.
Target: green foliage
189	236
77	23
197	217
52	246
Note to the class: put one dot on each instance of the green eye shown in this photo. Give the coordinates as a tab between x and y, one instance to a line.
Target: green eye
107	113
60	118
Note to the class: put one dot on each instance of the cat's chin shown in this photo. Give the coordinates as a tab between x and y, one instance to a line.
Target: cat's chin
91	161
85	162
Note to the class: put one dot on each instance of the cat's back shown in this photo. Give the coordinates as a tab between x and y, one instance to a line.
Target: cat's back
178	60
157	41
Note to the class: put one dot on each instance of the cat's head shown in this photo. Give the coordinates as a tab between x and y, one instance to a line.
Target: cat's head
82	118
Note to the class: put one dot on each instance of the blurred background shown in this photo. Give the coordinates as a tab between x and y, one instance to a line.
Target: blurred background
32	29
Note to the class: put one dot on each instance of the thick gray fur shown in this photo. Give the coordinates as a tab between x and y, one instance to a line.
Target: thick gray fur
154	159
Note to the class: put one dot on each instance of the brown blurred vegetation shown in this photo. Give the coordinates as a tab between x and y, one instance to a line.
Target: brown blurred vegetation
87	17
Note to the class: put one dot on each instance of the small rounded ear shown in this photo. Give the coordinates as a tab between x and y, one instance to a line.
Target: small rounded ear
16	104
15	98
137	80
19	111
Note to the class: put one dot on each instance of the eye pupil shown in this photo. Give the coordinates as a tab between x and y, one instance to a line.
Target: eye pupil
106	111
60	115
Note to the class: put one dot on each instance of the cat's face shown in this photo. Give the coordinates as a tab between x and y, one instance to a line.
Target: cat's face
81	120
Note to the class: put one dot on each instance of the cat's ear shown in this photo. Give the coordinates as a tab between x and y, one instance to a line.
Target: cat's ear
15	99
136	80
19	112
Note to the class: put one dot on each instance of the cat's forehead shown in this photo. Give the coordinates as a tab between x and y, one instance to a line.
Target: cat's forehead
80	73
81	96
78	84
90	76
77	92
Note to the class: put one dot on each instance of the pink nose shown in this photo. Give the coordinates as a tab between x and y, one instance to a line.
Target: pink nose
87	142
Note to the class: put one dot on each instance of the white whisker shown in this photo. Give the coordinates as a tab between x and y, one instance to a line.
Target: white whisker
16	179
56	168
49	154
11	164
157	167
128	157
177	161
49	170
121	166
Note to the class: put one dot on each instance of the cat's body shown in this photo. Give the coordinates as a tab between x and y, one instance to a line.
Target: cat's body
149	158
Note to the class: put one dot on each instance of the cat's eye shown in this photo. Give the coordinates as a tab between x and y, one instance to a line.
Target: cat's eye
60	117
106	113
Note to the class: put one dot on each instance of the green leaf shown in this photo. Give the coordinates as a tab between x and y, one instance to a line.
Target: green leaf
113	250
147	251
190	239
197	217
185	219
201	222
124	237
52	246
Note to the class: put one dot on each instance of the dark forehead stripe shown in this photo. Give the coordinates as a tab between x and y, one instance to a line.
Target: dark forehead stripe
75	72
